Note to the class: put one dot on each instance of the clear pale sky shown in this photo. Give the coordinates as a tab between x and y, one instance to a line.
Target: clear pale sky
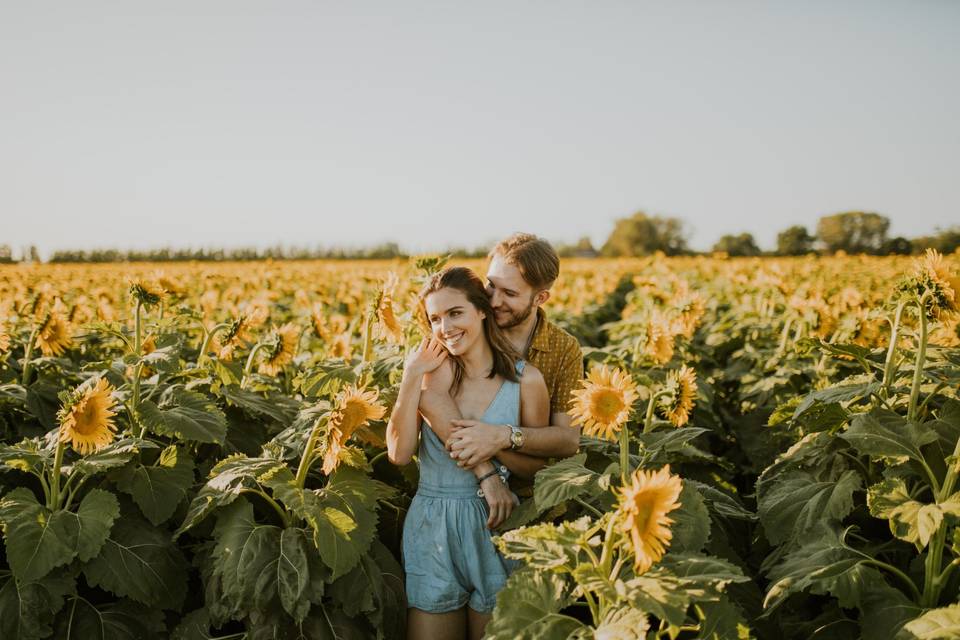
234	123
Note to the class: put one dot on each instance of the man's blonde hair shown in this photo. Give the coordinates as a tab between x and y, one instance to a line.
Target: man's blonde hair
537	261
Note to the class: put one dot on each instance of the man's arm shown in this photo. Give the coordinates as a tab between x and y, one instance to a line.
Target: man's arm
559	440
500	500
474	441
441	413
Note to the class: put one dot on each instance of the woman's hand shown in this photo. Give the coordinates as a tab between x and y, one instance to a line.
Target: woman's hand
500	501
429	355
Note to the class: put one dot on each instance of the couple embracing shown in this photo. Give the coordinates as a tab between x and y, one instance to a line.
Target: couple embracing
483	398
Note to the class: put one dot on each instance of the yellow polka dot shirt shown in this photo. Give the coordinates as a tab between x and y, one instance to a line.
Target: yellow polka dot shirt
557	355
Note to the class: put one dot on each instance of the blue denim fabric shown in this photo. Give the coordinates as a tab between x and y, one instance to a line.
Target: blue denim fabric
448	555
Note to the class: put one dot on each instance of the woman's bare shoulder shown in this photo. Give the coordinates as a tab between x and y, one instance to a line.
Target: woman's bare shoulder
531	376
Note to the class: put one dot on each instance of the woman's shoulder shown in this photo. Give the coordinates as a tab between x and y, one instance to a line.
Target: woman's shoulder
530	375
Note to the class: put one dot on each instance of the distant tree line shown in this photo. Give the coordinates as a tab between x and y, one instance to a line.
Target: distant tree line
851	232
636	235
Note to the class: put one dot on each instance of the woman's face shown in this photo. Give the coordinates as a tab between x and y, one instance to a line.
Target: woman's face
455	322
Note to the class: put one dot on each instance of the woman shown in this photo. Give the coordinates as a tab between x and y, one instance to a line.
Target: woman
453	569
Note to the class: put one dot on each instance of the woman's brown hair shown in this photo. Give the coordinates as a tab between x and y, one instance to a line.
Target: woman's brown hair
469	283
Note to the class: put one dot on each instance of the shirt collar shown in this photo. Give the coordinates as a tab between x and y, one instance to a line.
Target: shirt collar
541	339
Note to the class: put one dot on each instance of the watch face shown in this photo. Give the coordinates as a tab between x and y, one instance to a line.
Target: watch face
516	438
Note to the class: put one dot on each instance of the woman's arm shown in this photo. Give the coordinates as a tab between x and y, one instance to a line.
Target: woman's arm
403	429
534	412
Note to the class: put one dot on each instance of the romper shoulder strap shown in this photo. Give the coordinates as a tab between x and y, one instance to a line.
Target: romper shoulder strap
521	363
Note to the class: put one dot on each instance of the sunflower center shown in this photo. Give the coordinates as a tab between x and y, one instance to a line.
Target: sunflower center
641	518
606	405
87	419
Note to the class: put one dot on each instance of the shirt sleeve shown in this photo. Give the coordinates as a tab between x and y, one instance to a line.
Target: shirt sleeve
568	378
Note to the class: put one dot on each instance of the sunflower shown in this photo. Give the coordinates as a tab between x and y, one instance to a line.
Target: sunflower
53	337
681	389
318	321
660	334
4	336
284	340
388	325
235	337
942	286
945	334
354	409
691	306
147	292
169	284
604	403
642	510
86	420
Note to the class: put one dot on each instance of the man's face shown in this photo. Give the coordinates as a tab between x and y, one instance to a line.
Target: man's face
510	295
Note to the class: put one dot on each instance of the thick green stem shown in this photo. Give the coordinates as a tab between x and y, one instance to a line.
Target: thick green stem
918	365
888	365
209	338
624	454
606	554
933	579
137	349
308	454
53	502
648	418
932	565
368	337
246	369
28	356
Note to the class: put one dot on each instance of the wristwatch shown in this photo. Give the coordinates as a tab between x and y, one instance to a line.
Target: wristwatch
516	437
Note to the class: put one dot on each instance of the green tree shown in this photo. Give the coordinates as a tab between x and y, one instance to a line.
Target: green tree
853	232
641	234
583	248
737	245
944	240
794	241
897	246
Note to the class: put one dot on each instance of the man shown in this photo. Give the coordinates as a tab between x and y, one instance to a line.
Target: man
522	269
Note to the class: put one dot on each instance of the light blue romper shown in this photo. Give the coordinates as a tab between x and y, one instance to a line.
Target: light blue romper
448	554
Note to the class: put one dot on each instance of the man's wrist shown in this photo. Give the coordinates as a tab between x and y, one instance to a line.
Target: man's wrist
505	441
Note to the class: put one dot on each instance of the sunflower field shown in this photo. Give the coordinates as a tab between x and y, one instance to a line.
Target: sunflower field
770	449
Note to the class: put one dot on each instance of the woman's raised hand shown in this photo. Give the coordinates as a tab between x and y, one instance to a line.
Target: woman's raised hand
429	355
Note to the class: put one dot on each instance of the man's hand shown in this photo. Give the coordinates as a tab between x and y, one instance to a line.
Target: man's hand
500	501
471	442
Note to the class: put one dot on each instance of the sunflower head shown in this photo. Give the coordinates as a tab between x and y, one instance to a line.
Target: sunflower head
168	284
86	418
282	346
679	394
942	288
4	336
691	307
354	409
147	292
53	336
642	508
234	337
387	323
604	402
318	321
661	331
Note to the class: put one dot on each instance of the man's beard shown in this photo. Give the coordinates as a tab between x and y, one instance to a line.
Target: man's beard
517	319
